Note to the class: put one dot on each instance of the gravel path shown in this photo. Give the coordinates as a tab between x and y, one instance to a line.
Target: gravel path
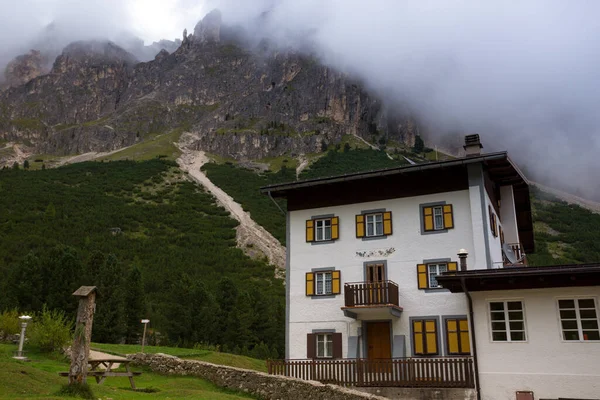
248	232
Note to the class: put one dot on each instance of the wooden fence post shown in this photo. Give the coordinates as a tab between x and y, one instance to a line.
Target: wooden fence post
83	333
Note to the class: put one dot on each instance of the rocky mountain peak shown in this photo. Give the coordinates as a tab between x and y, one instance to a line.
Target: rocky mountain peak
25	67
209	29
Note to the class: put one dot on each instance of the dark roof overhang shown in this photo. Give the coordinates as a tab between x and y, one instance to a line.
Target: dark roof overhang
499	166
517	278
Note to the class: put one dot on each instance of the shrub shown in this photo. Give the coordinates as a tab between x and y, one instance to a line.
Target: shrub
9	323
82	390
51	330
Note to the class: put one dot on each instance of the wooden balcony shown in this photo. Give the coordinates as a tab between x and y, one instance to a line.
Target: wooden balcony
364	297
446	372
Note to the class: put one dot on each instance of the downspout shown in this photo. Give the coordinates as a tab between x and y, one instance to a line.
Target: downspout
472	327
273	200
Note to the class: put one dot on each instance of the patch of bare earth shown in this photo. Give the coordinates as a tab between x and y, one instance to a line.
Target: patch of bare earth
570	198
252	238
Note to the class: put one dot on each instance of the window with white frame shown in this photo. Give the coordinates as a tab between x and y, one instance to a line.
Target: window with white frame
323	283
579	319
374	224
324	345
434	270
323	229
507	320
438	218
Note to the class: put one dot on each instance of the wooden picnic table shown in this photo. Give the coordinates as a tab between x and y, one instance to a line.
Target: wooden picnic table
101	368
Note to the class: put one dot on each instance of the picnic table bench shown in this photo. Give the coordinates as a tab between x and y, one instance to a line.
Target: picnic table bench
101	368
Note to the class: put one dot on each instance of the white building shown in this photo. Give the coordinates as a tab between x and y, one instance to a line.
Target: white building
536	330
364	250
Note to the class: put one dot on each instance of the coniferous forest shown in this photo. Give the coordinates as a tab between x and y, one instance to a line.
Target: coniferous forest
155	245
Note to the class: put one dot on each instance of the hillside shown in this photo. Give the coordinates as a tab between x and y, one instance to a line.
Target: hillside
239	99
154	243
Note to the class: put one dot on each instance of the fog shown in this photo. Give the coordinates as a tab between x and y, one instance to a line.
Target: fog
524	75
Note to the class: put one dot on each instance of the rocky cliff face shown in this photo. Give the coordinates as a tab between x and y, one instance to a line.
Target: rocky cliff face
239	102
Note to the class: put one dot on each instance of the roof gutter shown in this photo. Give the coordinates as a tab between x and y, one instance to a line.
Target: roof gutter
273	200
472	329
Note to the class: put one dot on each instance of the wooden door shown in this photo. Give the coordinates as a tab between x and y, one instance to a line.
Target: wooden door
378	340
376	277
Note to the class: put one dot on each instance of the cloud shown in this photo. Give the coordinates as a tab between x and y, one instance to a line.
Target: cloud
524	75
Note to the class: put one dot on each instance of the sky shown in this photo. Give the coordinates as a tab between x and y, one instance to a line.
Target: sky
525	75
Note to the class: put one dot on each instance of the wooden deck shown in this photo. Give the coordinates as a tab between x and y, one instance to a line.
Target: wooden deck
446	372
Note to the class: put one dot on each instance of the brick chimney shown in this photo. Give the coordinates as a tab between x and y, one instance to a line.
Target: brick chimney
472	145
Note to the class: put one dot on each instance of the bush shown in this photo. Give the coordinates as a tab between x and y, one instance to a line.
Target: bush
82	390
51	330
9	323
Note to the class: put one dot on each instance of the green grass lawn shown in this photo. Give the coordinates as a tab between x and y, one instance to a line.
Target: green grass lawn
152	147
38	379
214	357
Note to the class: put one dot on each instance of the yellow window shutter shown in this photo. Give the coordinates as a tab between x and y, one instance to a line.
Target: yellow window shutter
310	283
360	226
422	276
465	344
418	337
452	331
501	235
335	230
431	337
495	224
387	223
452	266
310	230
448	217
335	282
428	218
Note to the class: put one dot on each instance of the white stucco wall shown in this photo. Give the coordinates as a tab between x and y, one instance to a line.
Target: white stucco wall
509	215
410	248
494	241
544	364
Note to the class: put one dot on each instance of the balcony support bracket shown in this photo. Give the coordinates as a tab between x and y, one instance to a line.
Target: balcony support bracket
350	314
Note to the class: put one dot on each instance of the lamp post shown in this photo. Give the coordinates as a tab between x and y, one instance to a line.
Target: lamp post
24	319
145	322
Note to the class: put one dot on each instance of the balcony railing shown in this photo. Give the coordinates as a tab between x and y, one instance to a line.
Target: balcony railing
371	294
518	253
446	372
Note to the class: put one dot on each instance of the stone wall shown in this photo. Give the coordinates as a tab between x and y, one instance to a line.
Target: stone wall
259	384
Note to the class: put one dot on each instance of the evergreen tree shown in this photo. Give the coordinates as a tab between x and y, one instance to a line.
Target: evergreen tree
419	145
26	164
61	274
15	166
27	285
109	323
135	303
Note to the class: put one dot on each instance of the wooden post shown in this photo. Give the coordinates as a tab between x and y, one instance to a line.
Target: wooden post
80	350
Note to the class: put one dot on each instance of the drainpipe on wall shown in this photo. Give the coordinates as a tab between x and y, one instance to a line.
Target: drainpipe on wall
472	327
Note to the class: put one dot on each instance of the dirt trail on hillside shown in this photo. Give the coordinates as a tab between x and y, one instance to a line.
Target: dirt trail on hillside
302	164
248	232
92	155
570	198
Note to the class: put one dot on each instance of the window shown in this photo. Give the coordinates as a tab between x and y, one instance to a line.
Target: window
374	224
507	320
322	229
457	336
579	319
434	270
424	334
437	217
426	273
493	223
324	345
322	283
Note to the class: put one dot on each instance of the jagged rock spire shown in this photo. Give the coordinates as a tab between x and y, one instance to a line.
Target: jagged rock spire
209	29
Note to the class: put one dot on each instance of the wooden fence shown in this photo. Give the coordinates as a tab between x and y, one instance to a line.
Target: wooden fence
447	372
